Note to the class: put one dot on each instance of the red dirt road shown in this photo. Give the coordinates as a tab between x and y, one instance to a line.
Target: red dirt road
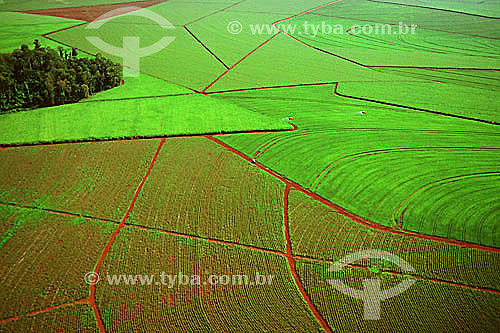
292	264
93	286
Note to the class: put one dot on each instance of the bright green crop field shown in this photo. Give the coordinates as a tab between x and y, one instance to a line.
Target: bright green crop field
272	153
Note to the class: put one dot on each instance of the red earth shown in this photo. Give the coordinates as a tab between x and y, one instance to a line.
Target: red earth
91	13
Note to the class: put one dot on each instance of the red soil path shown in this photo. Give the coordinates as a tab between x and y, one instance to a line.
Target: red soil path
50	308
292	264
90	13
93	287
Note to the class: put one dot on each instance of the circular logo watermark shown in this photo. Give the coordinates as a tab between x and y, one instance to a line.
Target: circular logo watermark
234	27
372	294
131	52
91	278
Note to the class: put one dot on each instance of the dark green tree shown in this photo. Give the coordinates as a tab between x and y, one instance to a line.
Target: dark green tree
45	77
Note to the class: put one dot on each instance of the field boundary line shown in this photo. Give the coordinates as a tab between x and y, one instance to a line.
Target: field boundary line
206	239
434	8
113	237
205	47
413	276
136	138
270	87
335	92
387	66
292	264
346	213
50	308
215	12
57	212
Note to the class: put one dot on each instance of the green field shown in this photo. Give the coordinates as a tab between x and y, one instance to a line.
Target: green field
242	155
374	162
21	29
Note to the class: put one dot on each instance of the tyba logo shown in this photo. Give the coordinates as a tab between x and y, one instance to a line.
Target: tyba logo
371	295
131	52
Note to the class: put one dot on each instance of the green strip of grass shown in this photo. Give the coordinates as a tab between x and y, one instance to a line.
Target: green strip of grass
141	86
18	29
150	117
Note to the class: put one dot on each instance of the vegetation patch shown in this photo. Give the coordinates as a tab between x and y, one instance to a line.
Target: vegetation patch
41	77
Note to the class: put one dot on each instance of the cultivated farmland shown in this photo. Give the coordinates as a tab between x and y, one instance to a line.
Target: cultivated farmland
313	144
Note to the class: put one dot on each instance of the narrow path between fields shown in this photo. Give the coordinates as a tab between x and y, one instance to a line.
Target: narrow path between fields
93	287
292	264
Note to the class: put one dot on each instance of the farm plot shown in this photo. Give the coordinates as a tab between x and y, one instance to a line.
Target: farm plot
371	11
277	8
362	177
481	101
319	232
156	307
183	12
91	13
363	173
130	118
424	306
77	178
255	19
199	188
142	86
18	29
44	258
72	318
383	42
272	65
475	203
485	8
44	4
184	61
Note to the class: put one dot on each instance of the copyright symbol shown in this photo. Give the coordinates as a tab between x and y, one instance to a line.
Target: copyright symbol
91	278
234	27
